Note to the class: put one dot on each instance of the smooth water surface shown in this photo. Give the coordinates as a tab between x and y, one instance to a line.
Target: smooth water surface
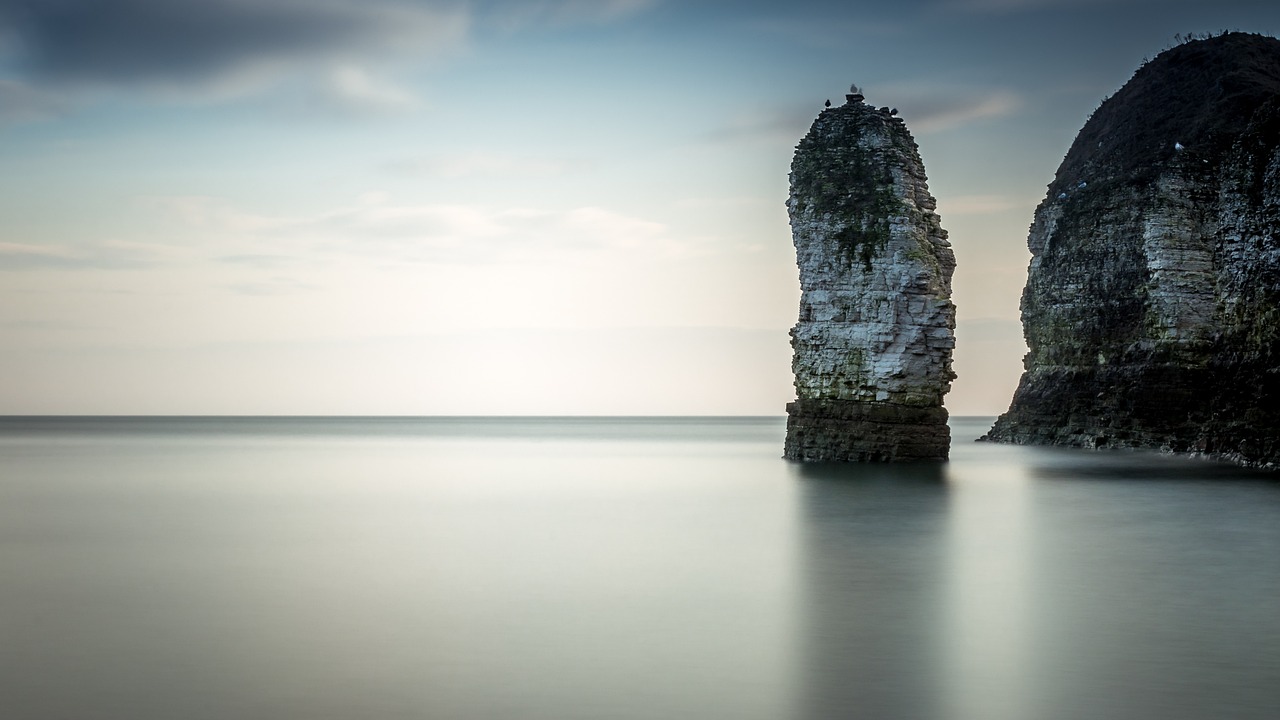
565	568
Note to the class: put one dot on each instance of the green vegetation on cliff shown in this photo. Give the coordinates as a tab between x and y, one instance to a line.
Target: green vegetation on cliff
836	174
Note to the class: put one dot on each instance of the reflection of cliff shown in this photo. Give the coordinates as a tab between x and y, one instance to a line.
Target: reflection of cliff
873	342
988	588
873	565
1152	304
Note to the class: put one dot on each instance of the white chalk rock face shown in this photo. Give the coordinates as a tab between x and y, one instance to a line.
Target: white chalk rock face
876	330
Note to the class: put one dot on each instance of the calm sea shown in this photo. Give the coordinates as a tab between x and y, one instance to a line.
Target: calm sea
557	569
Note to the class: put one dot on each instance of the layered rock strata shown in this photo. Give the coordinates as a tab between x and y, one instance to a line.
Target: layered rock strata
1152	303
873	343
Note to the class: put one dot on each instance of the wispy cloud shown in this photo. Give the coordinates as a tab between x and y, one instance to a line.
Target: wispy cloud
518	15
927	108
379	229
483	163
20	102
351	90
261	261
210	232
271	286
89	256
471	234
935	108
23	255
762	124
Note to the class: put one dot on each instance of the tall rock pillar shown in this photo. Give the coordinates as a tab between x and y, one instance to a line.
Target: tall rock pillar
876	329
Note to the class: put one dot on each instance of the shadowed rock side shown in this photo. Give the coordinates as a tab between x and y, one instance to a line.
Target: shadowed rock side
873	343
1152	304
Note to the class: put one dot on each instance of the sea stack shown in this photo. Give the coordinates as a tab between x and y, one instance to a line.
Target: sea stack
873	343
1152	304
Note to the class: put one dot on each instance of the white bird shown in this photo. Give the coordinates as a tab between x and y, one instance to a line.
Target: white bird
1178	146
1082	184
1062	196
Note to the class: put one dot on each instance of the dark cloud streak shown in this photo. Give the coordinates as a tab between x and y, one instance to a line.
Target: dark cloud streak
166	42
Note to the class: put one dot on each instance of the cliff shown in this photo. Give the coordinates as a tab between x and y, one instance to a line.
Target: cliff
1152	303
873	343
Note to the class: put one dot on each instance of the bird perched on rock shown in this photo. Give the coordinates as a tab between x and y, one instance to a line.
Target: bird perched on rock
893	111
1179	146
828	103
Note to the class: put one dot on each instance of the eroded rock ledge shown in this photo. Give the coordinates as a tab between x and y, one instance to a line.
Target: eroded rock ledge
875	334
1152	304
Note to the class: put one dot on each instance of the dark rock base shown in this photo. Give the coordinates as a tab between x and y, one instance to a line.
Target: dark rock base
851	431
1228	413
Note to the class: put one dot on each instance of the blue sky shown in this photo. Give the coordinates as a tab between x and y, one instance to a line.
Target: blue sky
548	207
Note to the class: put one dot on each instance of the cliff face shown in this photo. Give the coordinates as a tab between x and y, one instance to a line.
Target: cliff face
873	342
1152	304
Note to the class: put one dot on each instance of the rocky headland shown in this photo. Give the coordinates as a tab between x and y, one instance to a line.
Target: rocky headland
1152	303
873	343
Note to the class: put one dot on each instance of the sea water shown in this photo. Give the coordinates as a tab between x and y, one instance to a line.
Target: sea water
563	568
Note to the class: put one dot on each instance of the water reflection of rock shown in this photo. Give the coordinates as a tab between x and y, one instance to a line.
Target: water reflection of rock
1022	582
873	562
1151	587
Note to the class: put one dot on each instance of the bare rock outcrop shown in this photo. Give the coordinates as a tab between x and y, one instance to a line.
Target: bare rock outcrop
874	339
1152	304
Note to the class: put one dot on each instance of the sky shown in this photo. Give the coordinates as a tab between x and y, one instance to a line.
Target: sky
542	207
